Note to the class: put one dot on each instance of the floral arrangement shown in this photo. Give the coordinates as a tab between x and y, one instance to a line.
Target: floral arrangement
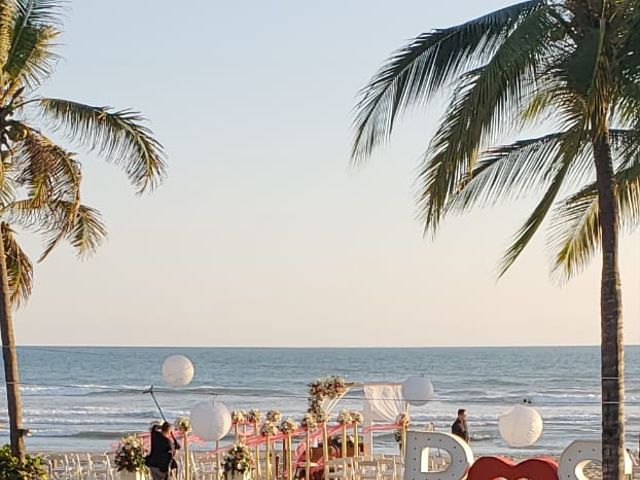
329	387
182	424
357	417
238	458
345	418
10	467
309	421
269	429
273	416
254	416
238	417
130	454
403	420
288	426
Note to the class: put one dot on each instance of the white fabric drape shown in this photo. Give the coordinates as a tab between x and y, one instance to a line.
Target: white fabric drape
382	403
328	404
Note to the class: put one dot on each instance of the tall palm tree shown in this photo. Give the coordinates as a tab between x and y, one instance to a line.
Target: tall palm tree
573	65
40	180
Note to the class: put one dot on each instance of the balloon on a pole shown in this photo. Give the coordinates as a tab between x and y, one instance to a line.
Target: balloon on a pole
417	390
210	420
520	426
177	371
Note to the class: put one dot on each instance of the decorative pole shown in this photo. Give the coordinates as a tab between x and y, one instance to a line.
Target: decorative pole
356	440
290	472
309	423
325	442
268	430
183	425
268	458
271	429
238	417
253	416
307	468
403	421
344	419
186	455
288	427
356	418
218	469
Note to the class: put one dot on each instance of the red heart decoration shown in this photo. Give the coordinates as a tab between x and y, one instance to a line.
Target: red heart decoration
490	468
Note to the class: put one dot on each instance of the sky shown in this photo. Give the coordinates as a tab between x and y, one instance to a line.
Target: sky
262	234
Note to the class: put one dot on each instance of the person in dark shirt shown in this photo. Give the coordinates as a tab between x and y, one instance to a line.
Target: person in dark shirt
163	450
459	427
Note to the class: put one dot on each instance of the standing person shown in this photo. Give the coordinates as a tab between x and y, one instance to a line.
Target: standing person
459	427
163	450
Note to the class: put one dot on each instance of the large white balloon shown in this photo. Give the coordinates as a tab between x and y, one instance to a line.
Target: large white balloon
177	371
417	390
210	420
521	426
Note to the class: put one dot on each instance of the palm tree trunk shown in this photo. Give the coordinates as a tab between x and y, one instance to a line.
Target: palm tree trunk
612	346
10	358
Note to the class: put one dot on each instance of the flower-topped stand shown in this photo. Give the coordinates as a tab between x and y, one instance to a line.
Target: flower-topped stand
309	423
287	427
238	417
356	419
238	463
269	429
344	419
129	458
183	425
253	417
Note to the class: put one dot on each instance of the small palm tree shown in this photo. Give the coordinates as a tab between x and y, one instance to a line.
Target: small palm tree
571	64
40	180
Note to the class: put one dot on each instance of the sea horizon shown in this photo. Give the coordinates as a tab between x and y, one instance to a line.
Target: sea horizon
84	398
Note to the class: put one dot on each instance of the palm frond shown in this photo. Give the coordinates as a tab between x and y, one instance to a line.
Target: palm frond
414	73
119	136
573	147
8	9
487	99
32	59
509	172
19	267
574	233
46	170
80	225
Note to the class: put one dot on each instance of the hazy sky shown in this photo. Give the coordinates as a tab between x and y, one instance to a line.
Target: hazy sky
262	234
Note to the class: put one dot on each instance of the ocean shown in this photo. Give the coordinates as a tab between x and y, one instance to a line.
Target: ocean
85	398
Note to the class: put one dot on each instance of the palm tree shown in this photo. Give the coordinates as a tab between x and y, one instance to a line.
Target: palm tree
573	65
40	180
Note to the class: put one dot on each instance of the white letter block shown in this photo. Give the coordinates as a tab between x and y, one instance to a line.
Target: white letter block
459	451
578	454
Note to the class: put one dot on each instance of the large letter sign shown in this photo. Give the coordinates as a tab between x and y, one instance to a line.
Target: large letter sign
459	451
578	454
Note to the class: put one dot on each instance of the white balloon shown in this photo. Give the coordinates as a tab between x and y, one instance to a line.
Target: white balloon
417	390
520	426
177	371
210	420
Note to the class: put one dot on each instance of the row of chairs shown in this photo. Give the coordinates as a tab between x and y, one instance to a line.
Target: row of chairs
81	467
364	468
